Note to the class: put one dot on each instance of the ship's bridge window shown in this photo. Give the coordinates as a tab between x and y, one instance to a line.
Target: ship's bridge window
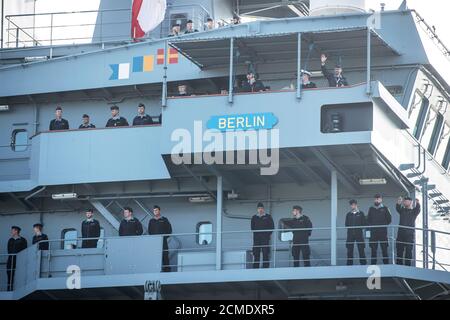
19	140
446	161
284	236
69	237
204	233
437	130
421	119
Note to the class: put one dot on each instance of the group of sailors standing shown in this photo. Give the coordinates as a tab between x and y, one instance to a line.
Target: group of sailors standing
375	223
262	225
141	119
90	233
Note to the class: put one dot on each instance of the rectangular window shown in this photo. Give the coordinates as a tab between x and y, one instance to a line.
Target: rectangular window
204	233
70	239
19	140
421	119
437	131
446	161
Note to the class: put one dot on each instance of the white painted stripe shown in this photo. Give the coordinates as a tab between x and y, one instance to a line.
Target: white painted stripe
124	71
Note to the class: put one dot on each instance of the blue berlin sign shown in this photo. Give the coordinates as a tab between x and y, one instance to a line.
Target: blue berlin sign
243	122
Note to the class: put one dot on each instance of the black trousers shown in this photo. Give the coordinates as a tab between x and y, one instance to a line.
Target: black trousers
258	248
360	243
383	243
10	273
89	244
306	253
165	257
405	247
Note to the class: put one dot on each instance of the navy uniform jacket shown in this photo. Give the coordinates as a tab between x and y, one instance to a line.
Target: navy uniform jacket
255	87
300	236
310	85
332	80
142	121
62	124
132	227
89	126
379	217
408	219
357	219
117	122
90	229
38	239
160	226
15	246
264	222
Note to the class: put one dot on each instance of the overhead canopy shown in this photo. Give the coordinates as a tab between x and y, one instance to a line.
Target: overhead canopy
341	44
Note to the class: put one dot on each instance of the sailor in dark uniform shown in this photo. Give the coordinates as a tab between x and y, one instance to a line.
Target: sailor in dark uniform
161	225
252	84
176	30
405	236
261	239
142	119
15	245
90	231
190	27
355	218
59	123
335	79
86	123
379	215
306	80
302	229
116	120
40	237
130	226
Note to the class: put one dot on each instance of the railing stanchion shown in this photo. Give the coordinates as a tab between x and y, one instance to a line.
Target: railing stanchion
275	250
393	244
51	29
17	37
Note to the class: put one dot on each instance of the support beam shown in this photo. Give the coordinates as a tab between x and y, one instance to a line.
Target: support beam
369	62
200	181
341	175
146	211
231	82
20	202
164	89
219	223
306	169
228	177
425	222
334	209
105	213
299	65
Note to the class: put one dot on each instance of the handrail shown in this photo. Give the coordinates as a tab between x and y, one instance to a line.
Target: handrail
64	12
254	231
281	252
444	48
199	14
97	129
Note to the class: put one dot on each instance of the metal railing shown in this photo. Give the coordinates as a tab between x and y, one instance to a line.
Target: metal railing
91	26
55	28
431	31
192	256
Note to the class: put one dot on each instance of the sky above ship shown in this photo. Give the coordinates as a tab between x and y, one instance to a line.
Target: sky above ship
435	13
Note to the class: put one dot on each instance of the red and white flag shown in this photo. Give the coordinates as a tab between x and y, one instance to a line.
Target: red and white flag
146	16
